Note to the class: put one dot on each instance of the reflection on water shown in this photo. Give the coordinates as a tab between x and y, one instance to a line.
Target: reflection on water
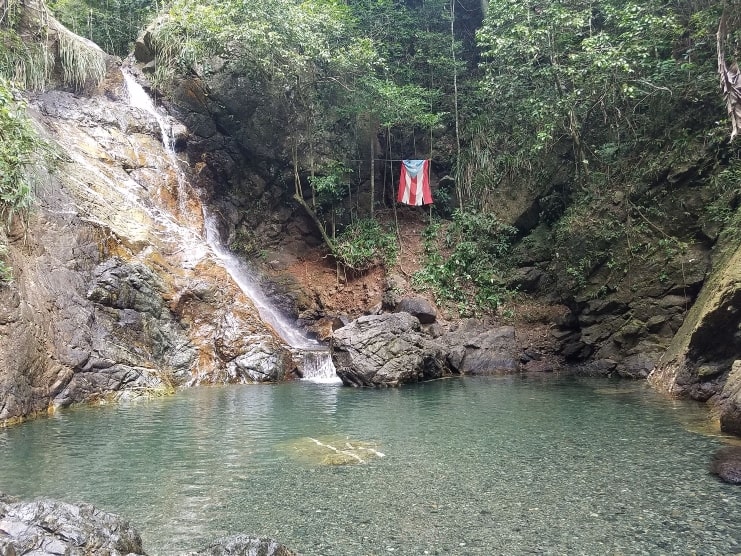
474	466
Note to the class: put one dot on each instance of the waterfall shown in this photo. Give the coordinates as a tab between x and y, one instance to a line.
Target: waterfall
317	366
316	358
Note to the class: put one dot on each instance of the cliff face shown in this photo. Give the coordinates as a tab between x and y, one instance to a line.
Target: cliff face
703	359
115	290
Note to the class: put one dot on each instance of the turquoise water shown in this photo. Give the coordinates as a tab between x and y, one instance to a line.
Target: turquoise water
471	466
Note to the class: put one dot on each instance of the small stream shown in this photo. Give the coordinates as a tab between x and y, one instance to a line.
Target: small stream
470	466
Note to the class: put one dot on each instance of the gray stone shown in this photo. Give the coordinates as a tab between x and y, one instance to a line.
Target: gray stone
386	350
726	464
637	366
50	528
243	545
419	307
476	348
527	279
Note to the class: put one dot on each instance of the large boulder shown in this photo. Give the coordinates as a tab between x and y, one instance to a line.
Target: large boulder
386	350
478	349
48	527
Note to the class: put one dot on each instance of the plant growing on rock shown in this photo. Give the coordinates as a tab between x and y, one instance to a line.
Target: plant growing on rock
33	42
466	260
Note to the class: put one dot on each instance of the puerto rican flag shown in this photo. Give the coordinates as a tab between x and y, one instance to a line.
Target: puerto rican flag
414	183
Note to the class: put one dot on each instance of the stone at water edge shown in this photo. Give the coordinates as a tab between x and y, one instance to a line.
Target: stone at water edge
730	405
476	348
727	464
51	528
386	350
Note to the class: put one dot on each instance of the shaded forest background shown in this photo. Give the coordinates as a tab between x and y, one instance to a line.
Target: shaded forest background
559	132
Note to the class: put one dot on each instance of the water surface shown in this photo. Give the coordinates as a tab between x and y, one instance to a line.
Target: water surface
472	466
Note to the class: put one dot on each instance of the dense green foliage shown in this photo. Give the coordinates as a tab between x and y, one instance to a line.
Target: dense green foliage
588	103
364	244
466	260
35	48
587	106
113	25
18	142
594	82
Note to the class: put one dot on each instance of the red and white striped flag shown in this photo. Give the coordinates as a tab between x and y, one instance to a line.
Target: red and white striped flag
414	183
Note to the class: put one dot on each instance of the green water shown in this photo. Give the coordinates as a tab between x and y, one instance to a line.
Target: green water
473	466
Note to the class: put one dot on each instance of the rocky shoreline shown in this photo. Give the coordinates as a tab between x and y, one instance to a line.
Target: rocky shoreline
53	528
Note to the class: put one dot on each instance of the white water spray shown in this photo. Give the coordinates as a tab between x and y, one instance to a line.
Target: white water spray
138	98
317	363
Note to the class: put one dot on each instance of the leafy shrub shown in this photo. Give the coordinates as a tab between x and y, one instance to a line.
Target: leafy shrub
465	260
365	244
112	25
18	142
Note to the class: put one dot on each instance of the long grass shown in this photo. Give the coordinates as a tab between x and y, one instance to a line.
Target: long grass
29	62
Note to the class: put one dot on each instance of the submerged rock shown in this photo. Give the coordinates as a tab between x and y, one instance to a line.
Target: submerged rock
727	464
48	527
332	450
244	545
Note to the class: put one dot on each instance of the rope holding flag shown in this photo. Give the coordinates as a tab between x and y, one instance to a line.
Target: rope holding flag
414	183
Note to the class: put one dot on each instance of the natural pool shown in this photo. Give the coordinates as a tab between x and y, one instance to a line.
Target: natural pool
471	466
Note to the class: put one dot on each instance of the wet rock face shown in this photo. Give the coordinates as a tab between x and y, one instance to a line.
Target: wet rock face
702	360
50	528
115	292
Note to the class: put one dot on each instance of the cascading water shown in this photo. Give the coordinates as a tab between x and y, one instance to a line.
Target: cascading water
316	359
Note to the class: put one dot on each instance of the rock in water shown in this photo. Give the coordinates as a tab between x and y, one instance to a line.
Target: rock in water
47	527
386	350
243	545
478	349
727	464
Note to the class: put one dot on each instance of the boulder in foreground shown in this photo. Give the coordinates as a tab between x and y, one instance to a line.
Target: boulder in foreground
48	527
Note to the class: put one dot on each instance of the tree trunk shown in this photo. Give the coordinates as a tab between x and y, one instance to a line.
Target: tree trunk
325	236
372	174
